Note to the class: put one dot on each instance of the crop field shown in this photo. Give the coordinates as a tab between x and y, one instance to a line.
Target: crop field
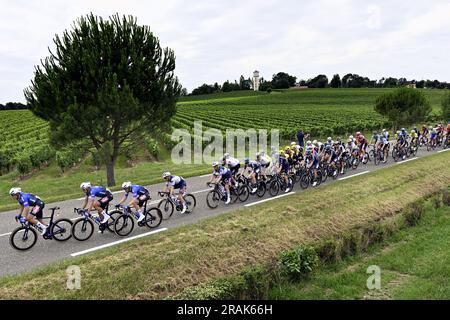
21	133
321	112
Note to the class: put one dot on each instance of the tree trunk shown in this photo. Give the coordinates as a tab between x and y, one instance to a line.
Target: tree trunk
110	173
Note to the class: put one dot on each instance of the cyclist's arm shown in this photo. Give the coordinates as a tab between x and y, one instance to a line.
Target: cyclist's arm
21	210
86	200
122	200
25	211
133	201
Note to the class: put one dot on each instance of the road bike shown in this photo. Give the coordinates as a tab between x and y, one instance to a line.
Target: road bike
171	203
124	223
25	237
83	227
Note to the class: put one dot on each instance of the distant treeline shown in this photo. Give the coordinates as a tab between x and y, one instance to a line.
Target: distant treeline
283	80
13	106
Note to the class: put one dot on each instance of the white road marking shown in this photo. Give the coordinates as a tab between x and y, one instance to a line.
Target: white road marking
117	242
444	150
358	174
407	160
201	191
265	200
205	175
5	234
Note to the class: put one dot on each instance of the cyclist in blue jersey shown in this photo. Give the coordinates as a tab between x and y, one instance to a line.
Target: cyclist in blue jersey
283	168
221	174
91	193
176	182
312	161
31	207
140	196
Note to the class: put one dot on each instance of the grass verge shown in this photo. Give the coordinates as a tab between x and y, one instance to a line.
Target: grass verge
414	264
167	263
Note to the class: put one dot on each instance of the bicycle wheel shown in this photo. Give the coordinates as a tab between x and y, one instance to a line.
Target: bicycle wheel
166	208
212	199
153	218
274	188
191	202
318	179
244	193
376	159
23	238
233	195
324	173
82	229
124	225
355	163
261	191
395	154
61	230
113	217
304	181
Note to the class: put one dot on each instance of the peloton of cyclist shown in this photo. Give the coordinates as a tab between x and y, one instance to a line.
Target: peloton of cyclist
31	207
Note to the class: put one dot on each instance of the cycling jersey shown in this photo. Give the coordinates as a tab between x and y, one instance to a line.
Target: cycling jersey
232	162
99	192
265	161
284	164
29	200
176	182
138	191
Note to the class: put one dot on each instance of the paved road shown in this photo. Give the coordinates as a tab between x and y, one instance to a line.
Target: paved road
48	251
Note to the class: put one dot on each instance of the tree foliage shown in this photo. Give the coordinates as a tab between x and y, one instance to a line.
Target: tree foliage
445	105
109	81
403	106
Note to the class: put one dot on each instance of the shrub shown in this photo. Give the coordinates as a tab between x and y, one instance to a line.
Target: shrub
414	213
298	263
436	202
446	198
24	164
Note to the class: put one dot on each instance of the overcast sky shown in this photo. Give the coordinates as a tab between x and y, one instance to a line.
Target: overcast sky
220	40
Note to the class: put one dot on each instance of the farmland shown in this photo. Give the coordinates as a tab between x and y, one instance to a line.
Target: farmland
24	144
320	112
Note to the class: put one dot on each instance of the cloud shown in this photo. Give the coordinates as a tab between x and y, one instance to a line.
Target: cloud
220	40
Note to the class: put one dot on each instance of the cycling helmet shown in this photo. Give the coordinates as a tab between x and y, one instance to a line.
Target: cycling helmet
287	149
315	142
308	143
14	191
293	144
358	134
126	185
226	155
282	154
166	174
384	130
403	129
215	164
328	147
246	160
351	137
413	131
85	185
350	140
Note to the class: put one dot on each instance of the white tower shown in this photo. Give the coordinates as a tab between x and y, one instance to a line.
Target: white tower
256	80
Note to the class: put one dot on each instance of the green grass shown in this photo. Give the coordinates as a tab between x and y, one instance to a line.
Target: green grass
414	263
167	263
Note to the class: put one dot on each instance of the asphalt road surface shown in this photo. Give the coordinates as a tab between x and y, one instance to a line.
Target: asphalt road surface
48	251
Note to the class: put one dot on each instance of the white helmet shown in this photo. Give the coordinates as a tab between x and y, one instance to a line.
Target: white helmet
351	137
166	174
215	164
293	144
308	142
14	191
315	142
350	140
126	185
329	139
85	185
226	155
384	130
